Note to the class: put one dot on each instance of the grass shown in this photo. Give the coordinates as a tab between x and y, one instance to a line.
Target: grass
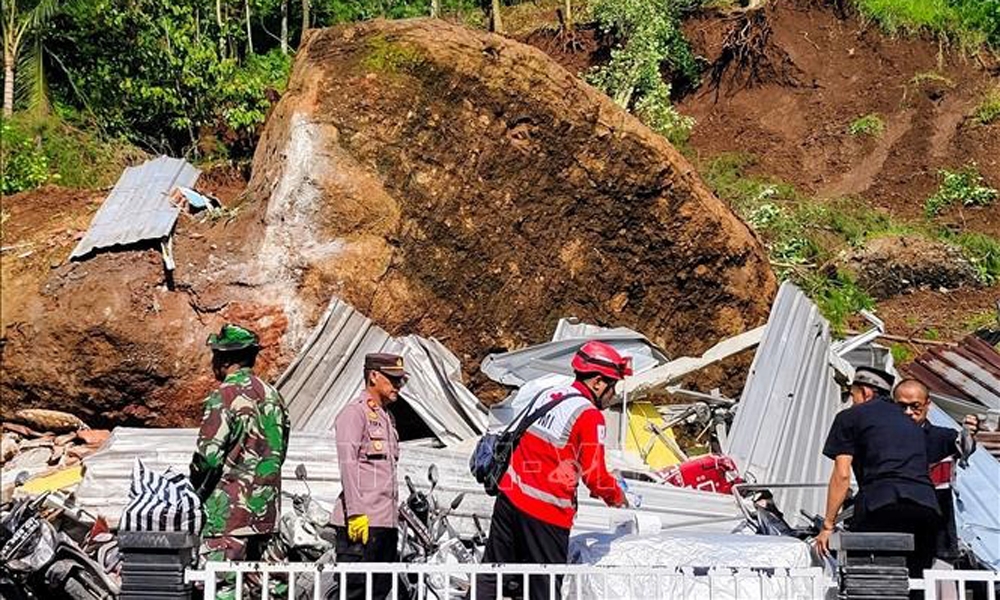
971	23
988	110
390	57
803	235
870	125
901	353
987	319
964	187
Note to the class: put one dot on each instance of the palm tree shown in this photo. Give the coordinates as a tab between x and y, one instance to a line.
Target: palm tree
19	19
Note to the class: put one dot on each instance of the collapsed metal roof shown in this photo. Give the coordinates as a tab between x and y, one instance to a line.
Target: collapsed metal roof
788	404
139	207
969	371
517	367
327	374
104	489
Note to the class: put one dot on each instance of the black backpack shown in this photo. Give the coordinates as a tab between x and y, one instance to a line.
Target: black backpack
491	458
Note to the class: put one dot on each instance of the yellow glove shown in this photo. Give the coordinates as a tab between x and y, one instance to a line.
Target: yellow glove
357	528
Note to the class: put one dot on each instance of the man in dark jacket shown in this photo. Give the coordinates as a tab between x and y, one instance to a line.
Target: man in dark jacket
944	445
887	452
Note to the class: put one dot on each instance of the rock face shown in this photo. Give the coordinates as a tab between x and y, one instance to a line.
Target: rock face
464	186
445	182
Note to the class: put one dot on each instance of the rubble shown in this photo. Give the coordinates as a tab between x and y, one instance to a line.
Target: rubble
30	456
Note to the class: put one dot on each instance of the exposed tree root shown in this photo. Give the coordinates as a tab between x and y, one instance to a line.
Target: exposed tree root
749	58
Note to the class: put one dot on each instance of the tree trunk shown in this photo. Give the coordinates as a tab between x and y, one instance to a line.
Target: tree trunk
435	9
568	7
284	26
305	17
8	84
496	23
246	3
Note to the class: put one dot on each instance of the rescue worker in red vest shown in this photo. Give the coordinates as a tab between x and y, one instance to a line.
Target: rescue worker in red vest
365	516
944	445
534	510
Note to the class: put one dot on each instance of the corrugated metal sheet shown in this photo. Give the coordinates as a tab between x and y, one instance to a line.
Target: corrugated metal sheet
327	374
139	206
104	489
788	404
520	366
969	371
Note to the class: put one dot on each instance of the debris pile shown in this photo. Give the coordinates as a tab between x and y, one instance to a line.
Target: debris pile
45	450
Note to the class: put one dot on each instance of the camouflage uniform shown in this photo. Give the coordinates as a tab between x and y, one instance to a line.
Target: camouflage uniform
243	436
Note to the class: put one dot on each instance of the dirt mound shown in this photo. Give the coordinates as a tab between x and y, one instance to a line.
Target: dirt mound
845	69
887	266
464	186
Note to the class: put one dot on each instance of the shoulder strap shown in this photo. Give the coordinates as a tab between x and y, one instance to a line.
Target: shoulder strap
520	416
538	414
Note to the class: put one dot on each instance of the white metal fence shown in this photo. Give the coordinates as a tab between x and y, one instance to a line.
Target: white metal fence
579	582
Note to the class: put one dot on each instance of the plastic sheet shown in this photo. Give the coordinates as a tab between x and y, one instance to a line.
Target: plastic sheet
692	553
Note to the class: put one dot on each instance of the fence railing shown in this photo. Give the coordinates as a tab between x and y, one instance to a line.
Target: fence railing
575	582
452	581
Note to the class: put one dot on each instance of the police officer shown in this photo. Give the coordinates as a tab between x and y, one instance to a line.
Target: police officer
887	452
366	514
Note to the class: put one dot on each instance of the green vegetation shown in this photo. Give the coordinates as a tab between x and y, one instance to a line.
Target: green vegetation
901	353
972	23
871	125
39	149
982	251
24	165
388	57
650	41
964	187
989	109
987	319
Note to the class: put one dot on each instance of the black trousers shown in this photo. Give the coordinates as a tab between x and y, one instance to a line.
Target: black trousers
382	546
518	538
907	517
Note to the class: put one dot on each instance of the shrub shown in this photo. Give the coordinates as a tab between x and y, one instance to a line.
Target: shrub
983	251
964	187
650	39
989	109
23	165
870	125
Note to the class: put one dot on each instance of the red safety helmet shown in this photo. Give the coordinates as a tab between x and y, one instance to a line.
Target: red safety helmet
602	359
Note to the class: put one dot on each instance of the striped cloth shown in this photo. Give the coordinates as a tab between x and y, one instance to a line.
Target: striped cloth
161	502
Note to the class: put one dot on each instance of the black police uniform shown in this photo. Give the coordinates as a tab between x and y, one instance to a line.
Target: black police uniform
942	445
890	464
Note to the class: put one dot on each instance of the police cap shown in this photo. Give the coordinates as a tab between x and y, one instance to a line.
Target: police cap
383	362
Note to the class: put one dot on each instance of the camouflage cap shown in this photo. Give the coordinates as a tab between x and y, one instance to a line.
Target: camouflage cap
232	337
873	378
389	364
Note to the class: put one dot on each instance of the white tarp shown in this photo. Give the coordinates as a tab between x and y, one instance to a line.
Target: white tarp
690	553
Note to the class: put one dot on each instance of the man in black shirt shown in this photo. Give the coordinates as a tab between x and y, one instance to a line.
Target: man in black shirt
886	450
943	447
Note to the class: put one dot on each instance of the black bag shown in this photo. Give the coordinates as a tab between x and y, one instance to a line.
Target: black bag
491	458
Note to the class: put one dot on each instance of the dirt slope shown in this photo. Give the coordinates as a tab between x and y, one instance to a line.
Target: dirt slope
469	188
844	69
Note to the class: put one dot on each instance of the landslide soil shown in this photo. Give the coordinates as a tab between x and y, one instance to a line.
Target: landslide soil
106	338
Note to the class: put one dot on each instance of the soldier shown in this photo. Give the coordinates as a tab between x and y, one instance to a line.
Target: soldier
366	514
236	468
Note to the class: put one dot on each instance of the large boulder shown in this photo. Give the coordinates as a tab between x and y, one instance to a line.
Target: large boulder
445	182
465	186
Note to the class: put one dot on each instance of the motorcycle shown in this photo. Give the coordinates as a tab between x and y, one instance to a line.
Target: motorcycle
427	536
304	535
37	561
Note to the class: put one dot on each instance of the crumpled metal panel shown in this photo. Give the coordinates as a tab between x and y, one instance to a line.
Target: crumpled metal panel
327	374
517	367
969	371
139	206
788	404
104	489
